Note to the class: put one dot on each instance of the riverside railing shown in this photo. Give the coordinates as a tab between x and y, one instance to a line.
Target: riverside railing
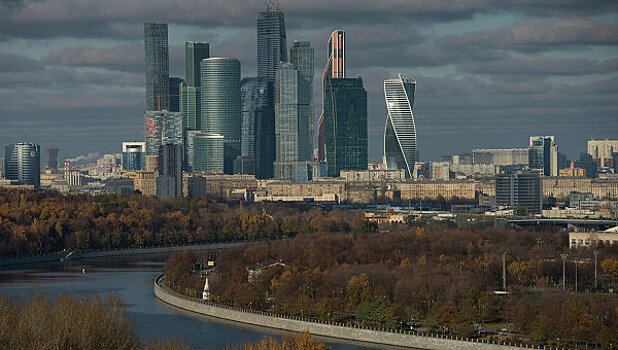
159	282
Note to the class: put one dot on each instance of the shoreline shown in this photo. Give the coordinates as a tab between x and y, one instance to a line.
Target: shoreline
407	339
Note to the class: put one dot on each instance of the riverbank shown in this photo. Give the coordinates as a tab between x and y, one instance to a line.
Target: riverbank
76	255
407	339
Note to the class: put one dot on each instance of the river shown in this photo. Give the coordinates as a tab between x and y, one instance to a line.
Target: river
132	278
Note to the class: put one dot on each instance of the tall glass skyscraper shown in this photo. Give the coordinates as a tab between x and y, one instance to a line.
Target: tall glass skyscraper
292	120
157	66
258	125
221	105
190	96
400	150
205	151
174	94
345	125
52	158
271	42
22	162
543	155
195	52
335	68
162	128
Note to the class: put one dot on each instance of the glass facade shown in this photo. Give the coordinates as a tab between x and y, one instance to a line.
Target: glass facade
221	105
205	151
22	162
169	181
133	155
293	107
520	188
271	43
174	92
543	155
162	128
195	52
157	66
345	125
400	150
258	126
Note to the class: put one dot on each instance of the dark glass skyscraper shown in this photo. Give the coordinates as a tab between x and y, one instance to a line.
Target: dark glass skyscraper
174	94
345	125
221	105
195	52
258	125
271	42
190	95
133	155
157	66
22	162
52	158
169	182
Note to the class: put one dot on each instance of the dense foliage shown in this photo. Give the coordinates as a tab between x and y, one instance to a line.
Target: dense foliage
41	222
300	341
442	277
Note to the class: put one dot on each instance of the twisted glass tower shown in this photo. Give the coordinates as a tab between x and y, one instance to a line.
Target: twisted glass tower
400	132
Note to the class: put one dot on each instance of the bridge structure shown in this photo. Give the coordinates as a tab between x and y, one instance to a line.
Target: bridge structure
589	223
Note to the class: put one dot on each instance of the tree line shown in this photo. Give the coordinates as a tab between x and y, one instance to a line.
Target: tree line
439	276
40	222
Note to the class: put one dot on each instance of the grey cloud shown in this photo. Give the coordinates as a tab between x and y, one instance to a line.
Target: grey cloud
18	63
128	58
540	65
537	35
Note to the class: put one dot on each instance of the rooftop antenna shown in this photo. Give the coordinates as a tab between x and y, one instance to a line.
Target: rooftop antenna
269	5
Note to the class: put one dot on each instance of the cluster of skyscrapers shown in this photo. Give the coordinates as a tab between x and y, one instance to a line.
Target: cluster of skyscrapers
261	125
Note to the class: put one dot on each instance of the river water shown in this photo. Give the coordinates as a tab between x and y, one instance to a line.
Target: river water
132	278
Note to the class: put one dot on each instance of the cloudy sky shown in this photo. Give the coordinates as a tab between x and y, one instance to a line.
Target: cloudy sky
489	73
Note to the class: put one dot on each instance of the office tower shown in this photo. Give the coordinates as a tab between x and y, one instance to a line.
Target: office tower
615	162
400	150
190	97
271	42
520	188
174	94
133	155
1	167
161	127
205	151
258	127
586	161
302	58
221	105
195	52
602	152
345	125
157	66
169	182
335	68
22	162
543	155
52	158
292	120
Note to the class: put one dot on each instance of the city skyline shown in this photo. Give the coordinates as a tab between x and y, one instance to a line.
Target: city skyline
487	80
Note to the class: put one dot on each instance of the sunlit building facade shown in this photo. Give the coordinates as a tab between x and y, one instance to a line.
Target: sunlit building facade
22	162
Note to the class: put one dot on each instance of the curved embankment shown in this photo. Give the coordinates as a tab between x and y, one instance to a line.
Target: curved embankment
75	255
329	329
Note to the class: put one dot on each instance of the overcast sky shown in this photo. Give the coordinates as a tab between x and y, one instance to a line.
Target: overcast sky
489	73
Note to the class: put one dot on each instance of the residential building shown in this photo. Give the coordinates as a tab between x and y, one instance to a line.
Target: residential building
335	69
379	175
602	152
144	182
572	171
221	105
587	239
500	156
345	125
440	170
22	162
543	155
133	155
400	151
433	190
157	66
520	188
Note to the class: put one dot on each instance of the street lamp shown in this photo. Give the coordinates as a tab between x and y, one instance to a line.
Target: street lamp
596	254
564	256
504	271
